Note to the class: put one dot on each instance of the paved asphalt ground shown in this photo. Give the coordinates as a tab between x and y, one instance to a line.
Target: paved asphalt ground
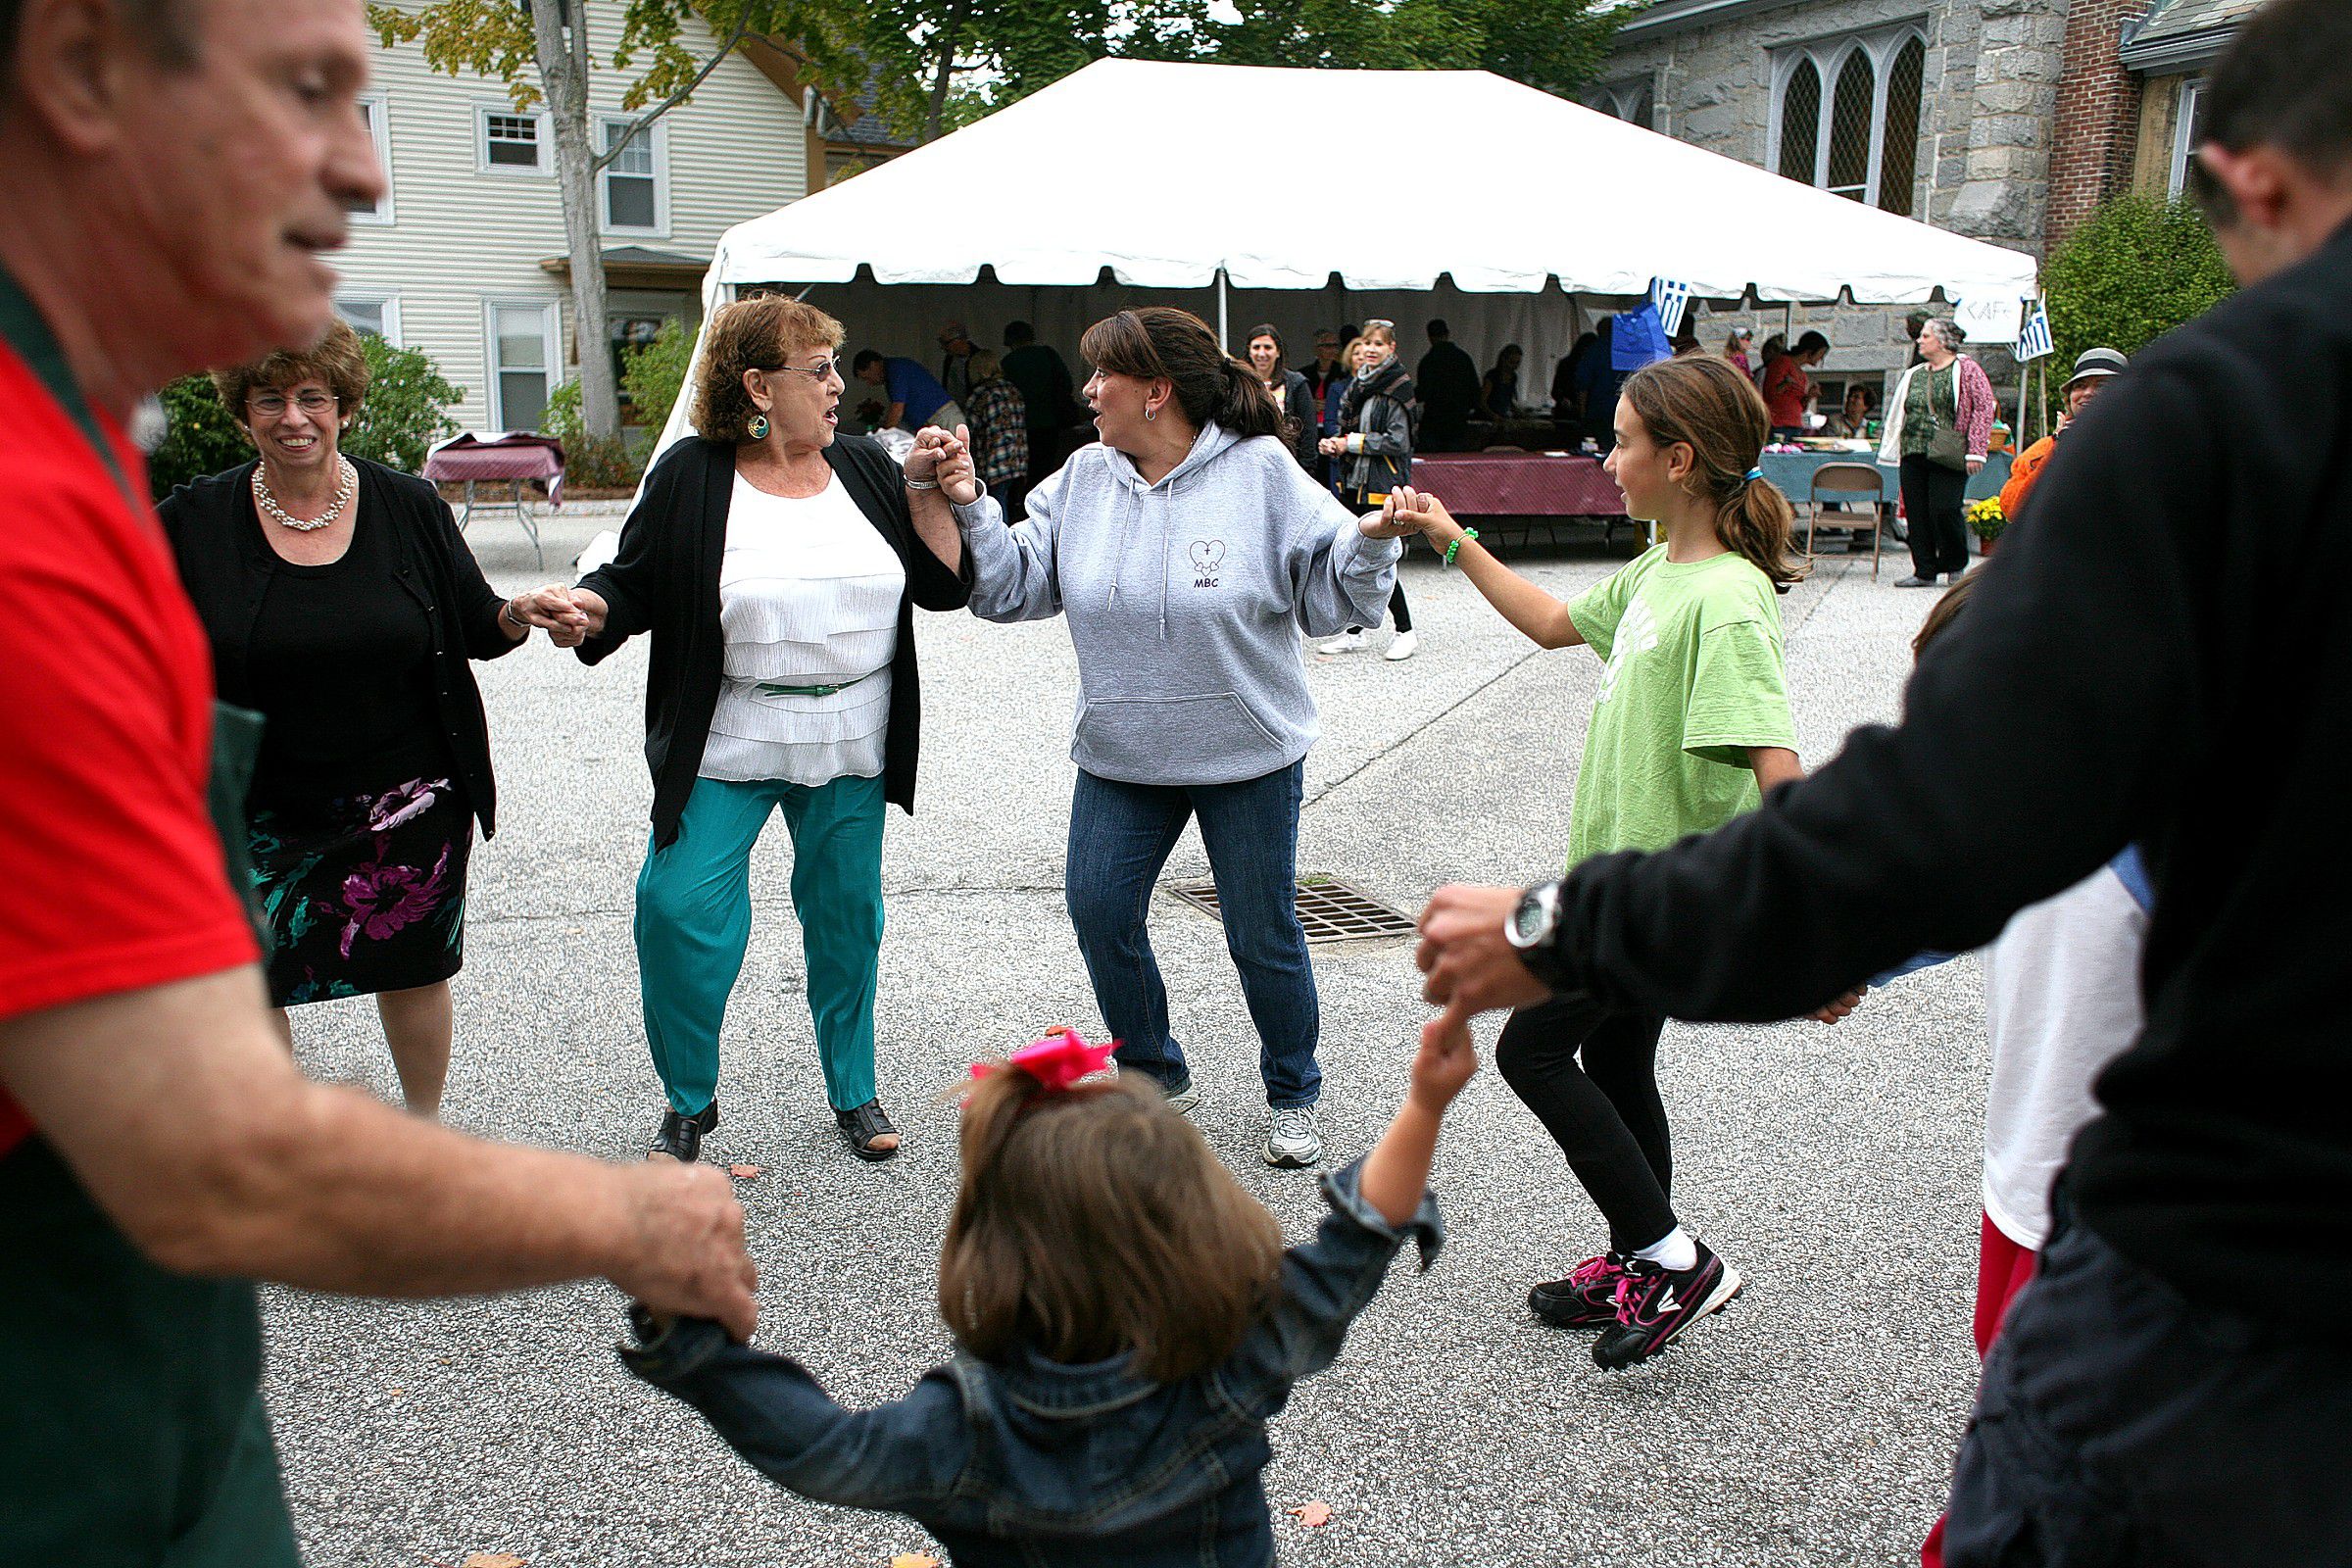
1813	1423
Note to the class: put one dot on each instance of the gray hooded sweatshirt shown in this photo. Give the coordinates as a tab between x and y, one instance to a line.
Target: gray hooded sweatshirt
1185	600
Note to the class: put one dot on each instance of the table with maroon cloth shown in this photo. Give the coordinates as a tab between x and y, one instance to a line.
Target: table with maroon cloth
513	459
1535	487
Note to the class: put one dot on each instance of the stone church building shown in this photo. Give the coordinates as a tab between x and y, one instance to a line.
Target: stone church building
2007	120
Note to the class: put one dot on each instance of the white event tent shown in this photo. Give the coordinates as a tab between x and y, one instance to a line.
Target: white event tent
1316	197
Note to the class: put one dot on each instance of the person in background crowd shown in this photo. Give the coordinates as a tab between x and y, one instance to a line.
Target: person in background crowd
1448	380
777	567
1187	555
1566	400
956	361
998	432
1287	388
1735	349
1598	383
1375	454
1851	422
1499	389
1774	347
2061	1001
1327	378
343	606
2093	368
172	178
915	399
2152	646
1938	429
1690	725
1047	401
1788	389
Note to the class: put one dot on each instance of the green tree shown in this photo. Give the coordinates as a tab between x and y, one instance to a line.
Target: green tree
2136	268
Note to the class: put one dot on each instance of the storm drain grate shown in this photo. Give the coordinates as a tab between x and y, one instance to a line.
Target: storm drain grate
1331	911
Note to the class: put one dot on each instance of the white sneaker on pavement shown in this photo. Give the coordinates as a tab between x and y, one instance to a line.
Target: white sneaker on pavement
1185	1100
1294	1142
1346	642
1400	646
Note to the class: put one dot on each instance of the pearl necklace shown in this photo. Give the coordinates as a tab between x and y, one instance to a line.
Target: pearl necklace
277	513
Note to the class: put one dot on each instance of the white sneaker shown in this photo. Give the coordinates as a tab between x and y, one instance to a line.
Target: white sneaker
1401	646
1346	642
1184	1101
1294	1142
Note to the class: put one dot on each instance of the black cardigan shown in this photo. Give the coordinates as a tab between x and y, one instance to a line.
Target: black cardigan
225	565
666	581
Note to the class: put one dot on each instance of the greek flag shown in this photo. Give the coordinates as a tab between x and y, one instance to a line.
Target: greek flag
1671	299
2034	338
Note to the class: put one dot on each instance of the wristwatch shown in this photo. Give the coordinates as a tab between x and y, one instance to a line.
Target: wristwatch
1536	918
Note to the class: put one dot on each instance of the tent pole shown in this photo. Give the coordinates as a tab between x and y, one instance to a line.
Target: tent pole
1224	330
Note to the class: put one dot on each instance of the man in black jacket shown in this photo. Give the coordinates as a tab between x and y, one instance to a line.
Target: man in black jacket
1449	381
2158	656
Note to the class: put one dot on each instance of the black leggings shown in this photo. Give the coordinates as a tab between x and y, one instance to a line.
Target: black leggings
1398	611
1933	498
1606	1114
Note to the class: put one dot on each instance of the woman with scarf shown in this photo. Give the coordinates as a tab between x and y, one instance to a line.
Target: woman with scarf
1375	452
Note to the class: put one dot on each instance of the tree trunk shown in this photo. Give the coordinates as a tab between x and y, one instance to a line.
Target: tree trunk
949	33
563	74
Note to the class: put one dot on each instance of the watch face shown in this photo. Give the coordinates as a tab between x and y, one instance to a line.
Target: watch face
1529	921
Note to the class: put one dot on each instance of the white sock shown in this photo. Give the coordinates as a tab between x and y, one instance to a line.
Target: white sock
1673	1252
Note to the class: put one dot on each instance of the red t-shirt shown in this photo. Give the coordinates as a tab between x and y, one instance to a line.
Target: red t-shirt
1785	386
111	875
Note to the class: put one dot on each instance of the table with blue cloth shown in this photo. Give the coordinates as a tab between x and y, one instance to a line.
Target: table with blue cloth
1793	472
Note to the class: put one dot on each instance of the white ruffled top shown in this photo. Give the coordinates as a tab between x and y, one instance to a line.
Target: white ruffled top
808	595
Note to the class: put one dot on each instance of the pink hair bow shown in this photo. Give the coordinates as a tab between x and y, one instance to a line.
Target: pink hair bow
1057	1061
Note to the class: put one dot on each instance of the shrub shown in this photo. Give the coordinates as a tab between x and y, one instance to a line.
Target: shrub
2136	268
407	411
654	375
601	463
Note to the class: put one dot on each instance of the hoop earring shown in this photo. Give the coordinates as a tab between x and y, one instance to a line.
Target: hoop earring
1149	414
758	427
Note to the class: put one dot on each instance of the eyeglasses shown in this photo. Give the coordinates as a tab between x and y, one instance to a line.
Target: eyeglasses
819	372
270	405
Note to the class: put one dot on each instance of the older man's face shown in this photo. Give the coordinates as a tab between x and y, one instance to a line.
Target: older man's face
237	173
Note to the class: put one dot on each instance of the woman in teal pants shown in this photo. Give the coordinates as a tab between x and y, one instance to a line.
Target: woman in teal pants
777	567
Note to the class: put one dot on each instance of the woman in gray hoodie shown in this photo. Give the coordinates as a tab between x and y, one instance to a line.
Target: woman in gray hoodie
1189	551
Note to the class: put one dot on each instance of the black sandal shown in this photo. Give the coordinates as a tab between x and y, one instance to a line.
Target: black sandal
681	1137
861	1127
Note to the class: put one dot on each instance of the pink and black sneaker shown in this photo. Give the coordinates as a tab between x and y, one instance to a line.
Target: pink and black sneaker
1586	1300
1655	1304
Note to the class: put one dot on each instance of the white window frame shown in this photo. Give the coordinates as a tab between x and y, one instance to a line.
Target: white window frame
1880	47
2184	118
380	127
382	299
551	335
545	168
657	138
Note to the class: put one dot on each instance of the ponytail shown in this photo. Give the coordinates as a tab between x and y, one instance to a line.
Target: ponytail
1705	404
1247	407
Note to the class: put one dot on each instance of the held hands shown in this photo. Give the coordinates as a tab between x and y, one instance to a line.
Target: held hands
1446	1061
554	611
1385	523
685	1256
946	461
1471	965
1419	512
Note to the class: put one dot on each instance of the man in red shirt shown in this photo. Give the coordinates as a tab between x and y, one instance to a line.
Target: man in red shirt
172	170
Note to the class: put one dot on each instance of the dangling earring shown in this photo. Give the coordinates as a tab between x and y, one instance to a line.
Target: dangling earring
758	427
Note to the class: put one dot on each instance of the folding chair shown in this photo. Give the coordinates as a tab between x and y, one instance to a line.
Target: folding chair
1844	484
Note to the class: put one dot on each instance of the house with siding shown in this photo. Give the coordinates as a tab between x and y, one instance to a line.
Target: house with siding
464	257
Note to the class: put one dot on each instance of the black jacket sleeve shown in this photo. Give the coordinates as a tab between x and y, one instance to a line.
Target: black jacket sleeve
2037	740
630	583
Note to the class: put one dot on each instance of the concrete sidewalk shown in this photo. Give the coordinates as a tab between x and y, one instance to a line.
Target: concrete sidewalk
1813	1423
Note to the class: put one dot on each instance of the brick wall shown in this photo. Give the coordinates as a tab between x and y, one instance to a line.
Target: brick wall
2097	129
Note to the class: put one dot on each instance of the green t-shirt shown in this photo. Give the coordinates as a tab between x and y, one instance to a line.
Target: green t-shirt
1691	679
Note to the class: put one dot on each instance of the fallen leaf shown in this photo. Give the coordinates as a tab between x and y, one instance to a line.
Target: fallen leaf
492	1559
914	1559
743	1173
1313	1515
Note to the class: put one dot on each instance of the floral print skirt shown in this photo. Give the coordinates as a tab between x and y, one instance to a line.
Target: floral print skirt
364	894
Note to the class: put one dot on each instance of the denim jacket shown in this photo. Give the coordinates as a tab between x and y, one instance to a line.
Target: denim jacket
1031	1462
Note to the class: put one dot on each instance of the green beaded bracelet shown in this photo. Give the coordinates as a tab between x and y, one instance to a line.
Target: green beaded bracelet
1467	533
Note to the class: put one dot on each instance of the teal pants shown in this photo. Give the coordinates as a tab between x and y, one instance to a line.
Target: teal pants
694	922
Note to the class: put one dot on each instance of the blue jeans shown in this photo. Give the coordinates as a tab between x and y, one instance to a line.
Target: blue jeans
1120	837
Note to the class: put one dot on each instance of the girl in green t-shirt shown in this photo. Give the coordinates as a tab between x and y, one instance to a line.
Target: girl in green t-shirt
1690	726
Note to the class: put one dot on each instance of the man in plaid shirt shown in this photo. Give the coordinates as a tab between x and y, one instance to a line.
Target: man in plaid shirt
999	432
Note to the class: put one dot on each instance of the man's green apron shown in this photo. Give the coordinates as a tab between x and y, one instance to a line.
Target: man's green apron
132	1427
